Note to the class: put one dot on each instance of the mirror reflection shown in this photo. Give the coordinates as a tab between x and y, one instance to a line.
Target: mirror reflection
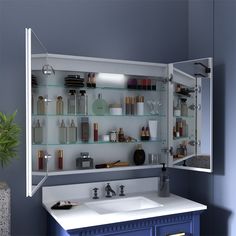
192	111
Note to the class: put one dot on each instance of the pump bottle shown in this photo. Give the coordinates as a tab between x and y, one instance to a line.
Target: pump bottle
164	183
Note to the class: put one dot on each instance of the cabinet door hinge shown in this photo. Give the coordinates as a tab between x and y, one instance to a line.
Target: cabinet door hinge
198	89
194	107
193	142
169	79
168	150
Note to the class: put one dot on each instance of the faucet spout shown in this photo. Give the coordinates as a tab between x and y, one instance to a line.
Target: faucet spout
109	191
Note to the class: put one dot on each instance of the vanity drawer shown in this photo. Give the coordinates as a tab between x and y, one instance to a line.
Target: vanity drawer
181	229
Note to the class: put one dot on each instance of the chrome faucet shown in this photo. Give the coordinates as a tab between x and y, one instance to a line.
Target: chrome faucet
109	191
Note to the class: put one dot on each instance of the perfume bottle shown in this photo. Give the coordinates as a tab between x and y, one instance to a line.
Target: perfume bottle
100	106
85	129
60	160
71	102
83	103
38	133
72	130
95	132
40	106
84	161
40	160
59	106
62	133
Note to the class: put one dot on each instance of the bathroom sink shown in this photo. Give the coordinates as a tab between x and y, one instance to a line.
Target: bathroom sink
122	205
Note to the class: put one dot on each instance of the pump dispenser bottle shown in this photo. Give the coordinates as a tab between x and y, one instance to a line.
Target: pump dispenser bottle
164	183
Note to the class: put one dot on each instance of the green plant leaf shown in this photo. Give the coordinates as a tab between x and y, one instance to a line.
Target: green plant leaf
9	138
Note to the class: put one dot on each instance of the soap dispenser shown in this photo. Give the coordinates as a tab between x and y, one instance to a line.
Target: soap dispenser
164	183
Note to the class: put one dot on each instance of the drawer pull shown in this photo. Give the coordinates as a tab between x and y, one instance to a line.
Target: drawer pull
177	234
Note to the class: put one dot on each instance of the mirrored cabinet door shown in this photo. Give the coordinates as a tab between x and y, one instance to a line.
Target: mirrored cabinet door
36	107
191	93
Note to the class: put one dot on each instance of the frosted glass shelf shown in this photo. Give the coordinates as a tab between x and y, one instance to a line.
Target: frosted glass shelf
185	117
99	88
108	115
100	142
185	137
73	172
182	95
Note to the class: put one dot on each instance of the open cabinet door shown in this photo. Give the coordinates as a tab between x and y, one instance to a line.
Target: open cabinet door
190	115
36	113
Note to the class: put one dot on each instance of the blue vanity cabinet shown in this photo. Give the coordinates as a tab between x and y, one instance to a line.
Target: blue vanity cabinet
179	224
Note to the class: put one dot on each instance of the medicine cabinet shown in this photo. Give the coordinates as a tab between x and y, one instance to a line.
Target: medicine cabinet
167	108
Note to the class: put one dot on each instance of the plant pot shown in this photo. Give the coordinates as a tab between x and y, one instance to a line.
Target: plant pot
5	216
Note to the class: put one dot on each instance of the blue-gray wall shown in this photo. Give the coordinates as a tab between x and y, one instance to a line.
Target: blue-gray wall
144	30
216	36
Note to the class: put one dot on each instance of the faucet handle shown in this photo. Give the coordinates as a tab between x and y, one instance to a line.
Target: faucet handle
122	190
95	196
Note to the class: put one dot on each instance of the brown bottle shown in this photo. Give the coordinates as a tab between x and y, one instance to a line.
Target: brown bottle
40	160
121	136
95	132
139	155
142	134
60	160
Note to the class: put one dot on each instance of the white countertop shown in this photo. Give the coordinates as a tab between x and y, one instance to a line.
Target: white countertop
82	216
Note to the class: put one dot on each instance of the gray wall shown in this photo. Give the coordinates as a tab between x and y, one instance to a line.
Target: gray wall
145	30
218	189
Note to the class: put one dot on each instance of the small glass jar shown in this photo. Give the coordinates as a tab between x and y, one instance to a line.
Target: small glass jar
113	136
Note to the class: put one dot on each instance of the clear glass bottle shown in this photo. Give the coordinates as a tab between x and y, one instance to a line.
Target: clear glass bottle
62	133
177	109
71	106
40	106
72	132
184	107
82	103
100	106
38	133
59	106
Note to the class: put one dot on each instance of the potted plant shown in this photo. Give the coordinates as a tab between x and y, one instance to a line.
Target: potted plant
9	140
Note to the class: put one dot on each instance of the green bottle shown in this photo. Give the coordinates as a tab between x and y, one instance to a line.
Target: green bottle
100	106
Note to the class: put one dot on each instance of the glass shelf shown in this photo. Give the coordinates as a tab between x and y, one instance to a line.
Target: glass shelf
186	117
72	172
97	88
108	115
100	142
181	138
182	95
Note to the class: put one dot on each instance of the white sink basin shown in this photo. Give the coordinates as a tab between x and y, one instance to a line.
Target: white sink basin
122	205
